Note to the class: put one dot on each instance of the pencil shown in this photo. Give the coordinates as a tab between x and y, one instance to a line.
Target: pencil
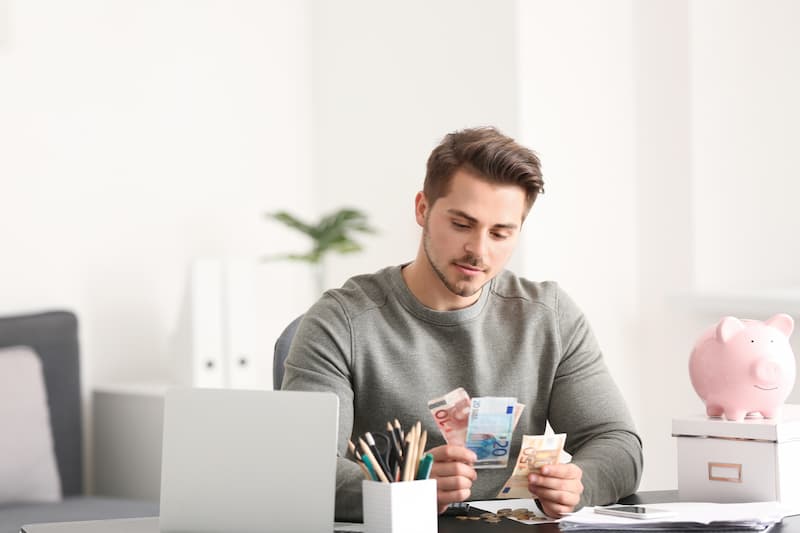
417	455
410	470
368	454
352	448
398	431
396	440
374	449
371	475
422	441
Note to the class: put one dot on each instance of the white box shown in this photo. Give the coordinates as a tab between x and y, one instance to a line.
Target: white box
400	507
728	462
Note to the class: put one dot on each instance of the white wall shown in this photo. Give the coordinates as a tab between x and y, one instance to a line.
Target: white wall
136	137
390	80
746	116
665	130
578	113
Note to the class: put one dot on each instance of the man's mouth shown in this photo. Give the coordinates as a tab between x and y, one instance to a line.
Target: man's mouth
468	269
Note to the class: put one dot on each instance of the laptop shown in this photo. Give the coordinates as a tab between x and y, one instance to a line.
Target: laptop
238	461
248	461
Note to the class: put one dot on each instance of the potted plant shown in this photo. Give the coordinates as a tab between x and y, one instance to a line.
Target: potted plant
333	233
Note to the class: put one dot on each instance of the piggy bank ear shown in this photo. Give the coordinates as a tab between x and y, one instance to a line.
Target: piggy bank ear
782	323
728	327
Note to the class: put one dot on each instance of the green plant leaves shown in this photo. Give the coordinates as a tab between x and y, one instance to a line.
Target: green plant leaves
331	234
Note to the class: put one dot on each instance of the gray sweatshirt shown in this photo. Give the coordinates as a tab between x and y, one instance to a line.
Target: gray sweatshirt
385	355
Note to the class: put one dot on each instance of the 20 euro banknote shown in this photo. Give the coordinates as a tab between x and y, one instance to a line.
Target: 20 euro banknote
491	422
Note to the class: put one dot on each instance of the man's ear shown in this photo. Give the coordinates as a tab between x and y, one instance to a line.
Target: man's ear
420	208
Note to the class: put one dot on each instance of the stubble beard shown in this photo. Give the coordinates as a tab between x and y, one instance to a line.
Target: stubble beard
465	290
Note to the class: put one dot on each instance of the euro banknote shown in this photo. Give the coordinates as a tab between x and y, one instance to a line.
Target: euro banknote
451	413
491	421
535	452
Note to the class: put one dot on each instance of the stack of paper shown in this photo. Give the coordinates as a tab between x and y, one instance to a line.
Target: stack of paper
690	516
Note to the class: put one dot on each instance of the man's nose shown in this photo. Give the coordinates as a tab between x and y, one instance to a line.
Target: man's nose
477	244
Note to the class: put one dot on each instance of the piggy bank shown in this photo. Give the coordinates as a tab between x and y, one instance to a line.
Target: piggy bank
741	367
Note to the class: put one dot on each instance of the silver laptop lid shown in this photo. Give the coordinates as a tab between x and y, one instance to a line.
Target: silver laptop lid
248	461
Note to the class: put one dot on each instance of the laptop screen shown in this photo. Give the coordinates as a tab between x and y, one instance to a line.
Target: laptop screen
246	461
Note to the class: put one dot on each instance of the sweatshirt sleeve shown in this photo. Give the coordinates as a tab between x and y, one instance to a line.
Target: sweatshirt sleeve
587	405
320	359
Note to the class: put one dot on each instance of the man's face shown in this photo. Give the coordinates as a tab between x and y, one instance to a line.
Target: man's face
469	234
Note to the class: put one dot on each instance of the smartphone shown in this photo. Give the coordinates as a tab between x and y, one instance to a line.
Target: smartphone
643	512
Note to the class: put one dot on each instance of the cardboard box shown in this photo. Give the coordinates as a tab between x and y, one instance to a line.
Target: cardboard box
728	462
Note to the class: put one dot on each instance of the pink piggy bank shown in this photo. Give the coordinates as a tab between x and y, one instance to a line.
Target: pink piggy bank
739	367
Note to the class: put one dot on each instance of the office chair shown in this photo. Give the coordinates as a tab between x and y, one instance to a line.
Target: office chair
282	346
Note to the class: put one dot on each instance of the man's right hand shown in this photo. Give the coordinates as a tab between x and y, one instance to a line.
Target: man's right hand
452	469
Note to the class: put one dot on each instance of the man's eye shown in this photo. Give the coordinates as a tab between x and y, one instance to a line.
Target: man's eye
460	226
499	236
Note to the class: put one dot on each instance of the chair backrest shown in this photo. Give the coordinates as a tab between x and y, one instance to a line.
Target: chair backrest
282	346
54	337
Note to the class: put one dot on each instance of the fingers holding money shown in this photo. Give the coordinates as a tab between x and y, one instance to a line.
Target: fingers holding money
454	474
558	488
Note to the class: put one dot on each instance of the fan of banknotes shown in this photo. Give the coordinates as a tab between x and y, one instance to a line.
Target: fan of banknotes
485	425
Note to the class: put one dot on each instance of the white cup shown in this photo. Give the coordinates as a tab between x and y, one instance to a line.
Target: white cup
400	507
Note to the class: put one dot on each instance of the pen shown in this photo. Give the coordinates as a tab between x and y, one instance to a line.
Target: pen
425	467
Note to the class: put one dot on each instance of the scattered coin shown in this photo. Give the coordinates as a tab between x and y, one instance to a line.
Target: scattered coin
494	520
461	517
474	517
488	515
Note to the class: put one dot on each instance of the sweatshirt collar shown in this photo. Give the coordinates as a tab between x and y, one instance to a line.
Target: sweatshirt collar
445	318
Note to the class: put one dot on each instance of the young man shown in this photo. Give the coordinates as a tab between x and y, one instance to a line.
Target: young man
387	342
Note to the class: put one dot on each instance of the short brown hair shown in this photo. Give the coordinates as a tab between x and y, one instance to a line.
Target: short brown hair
488	153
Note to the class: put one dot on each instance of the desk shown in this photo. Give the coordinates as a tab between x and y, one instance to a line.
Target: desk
449	524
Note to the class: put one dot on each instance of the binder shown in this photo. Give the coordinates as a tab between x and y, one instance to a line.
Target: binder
207	364
239	325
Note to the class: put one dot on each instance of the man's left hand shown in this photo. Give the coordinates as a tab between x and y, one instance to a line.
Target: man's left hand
558	488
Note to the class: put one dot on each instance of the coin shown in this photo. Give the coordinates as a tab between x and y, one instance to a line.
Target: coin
488	515
493	520
461	517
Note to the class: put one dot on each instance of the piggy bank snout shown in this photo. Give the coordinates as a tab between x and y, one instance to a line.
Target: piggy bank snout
766	373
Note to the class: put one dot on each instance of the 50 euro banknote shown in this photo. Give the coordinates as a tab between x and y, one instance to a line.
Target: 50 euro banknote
536	451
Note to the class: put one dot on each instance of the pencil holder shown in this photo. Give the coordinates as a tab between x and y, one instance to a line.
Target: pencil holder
400	507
